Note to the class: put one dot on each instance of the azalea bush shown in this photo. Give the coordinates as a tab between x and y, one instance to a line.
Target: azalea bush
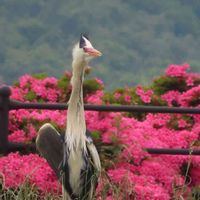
129	172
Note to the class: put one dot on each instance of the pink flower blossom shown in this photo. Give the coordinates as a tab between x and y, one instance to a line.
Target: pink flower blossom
190	81
127	98
99	81
121	137
177	70
182	123
96	98
190	96
145	96
117	95
195	175
171	96
25	80
17	170
17	94
17	136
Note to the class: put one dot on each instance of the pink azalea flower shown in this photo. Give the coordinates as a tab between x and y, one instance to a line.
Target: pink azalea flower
127	98
145	96
177	70
182	123
145	176
171	96
99	81
189	81
17	170
192	94
117	95
96	98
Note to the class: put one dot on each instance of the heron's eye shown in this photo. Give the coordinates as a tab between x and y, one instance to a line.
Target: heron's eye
85	49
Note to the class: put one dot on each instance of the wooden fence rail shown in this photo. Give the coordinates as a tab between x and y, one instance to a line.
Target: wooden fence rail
7	104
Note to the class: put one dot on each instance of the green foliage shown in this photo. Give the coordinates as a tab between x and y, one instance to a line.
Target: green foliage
166	83
109	154
95	135
64	85
40	76
195	101
90	86
25	192
64	82
173	122
195	194
196	81
109	98
30	96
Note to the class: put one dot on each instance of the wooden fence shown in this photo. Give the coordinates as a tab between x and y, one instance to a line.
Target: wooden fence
7	104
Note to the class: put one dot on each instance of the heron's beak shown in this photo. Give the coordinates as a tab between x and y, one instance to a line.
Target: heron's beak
92	52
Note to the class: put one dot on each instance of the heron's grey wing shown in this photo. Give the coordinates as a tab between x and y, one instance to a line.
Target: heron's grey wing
93	152
49	144
95	162
95	156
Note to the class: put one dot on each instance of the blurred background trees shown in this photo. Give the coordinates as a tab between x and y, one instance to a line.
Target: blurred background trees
138	38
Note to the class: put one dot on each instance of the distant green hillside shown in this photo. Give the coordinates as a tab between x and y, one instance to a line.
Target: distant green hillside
138	38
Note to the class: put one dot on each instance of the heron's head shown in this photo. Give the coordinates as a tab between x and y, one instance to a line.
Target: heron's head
84	49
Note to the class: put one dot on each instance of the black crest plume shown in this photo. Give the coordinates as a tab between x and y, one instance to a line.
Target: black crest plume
82	40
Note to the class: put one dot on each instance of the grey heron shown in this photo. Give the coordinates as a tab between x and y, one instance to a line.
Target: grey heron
75	153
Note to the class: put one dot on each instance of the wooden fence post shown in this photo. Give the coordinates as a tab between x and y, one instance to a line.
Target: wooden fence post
5	93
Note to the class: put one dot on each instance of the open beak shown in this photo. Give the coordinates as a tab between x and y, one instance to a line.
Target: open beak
92	52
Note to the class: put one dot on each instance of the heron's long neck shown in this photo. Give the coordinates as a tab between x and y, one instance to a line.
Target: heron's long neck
76	127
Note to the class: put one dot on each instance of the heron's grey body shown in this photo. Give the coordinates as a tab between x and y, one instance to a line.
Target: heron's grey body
50	144
79	158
